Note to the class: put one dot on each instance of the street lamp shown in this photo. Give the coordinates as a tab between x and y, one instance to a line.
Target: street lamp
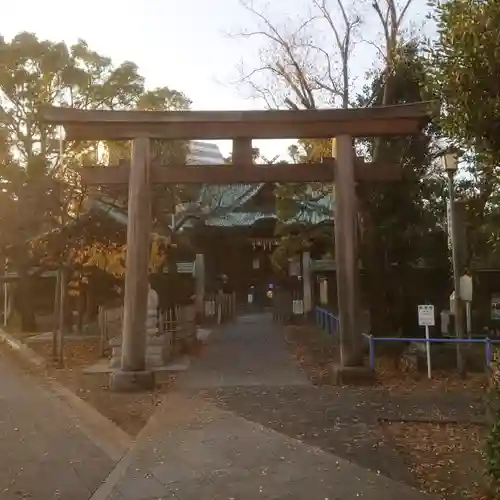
450	164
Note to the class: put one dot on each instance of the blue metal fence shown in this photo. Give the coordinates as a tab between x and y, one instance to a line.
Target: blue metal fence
326	320
486	341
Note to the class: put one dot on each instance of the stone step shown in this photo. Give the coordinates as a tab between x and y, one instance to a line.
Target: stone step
151	361
152	339
150	350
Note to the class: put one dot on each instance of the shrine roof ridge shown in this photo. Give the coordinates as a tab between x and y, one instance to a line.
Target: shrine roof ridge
399	119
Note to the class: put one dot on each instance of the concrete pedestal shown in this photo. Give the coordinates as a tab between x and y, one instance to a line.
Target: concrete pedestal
128	381
157	351
352	375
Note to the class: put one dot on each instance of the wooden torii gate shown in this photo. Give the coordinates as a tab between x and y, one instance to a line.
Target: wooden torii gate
241	127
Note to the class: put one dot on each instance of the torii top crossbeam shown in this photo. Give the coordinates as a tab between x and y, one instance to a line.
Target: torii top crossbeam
375	121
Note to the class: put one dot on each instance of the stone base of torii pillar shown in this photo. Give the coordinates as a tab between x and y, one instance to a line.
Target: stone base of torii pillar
131	381
156	355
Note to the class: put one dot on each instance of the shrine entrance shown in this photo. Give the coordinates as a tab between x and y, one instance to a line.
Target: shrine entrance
343	168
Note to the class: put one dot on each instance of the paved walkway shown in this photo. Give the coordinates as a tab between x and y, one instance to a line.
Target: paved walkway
245	424
44	455
244	355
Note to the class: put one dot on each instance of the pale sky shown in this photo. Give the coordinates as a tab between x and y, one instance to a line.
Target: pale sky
178	43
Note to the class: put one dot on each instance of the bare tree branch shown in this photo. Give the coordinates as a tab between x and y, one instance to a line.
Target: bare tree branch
305	71
343	43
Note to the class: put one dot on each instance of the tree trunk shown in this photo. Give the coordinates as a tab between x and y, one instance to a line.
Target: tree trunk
376	279
80	307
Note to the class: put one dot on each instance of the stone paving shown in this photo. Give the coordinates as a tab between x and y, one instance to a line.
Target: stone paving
245	423
247	354
196	451
44	455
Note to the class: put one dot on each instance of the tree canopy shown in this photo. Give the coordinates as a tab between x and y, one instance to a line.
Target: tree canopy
37	169
464	66
41	190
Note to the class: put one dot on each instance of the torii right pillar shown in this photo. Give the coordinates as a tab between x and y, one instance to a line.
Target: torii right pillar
351	367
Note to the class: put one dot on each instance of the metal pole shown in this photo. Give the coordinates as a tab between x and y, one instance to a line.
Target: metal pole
62	313
456	274
5	303
55	319
468	317
428	352
5	296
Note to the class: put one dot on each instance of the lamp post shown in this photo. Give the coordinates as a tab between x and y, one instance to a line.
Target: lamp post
450	164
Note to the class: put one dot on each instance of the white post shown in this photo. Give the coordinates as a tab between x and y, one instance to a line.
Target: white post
306	282
323	291
428	349
5	303
219	298
468	313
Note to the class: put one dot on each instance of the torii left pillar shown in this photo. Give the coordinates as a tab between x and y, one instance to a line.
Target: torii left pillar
133	374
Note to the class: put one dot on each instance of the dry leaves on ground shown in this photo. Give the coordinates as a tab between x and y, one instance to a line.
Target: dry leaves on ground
401	382
313	350
446	459
130	411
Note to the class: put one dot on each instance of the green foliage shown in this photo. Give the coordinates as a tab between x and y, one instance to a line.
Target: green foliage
304	209
465	71
406	212
401	222
40	191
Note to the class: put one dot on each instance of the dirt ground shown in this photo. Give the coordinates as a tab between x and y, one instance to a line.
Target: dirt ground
130	411
445	458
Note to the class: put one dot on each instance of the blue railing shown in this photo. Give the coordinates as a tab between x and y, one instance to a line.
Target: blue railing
326	320
486	341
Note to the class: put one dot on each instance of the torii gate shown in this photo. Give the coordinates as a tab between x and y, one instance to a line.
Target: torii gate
241	127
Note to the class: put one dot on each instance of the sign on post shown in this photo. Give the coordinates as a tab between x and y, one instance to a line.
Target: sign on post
426	318
426	315
466	287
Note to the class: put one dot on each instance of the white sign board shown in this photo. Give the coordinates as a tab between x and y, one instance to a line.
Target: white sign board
426	315
323	292
466	288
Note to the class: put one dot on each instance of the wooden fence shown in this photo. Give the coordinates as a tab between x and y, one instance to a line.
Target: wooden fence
220	307
287	305
179	326
110	321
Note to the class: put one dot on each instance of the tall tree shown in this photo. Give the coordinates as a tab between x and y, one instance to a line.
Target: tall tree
38	174
308	65
465	70
402	220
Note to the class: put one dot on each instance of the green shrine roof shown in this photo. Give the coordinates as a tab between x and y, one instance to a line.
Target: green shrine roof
223	204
